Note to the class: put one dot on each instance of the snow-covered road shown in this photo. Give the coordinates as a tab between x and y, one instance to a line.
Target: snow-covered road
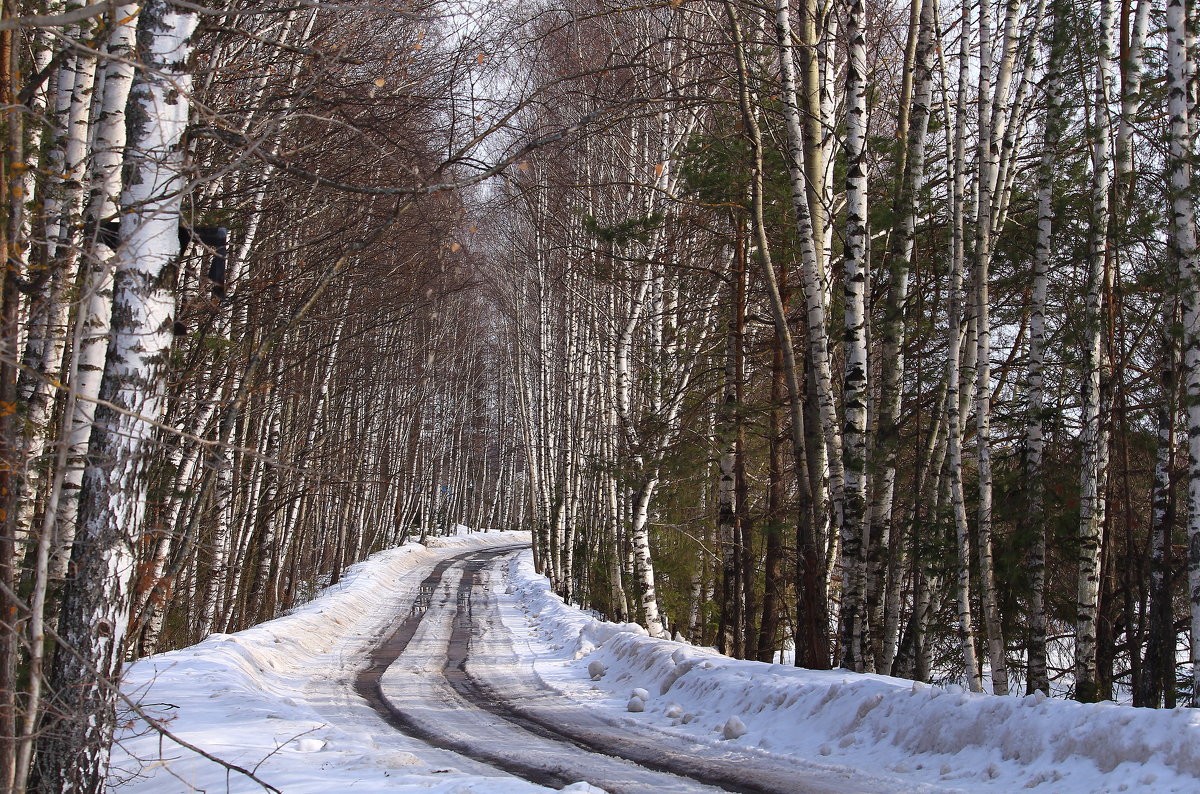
453	668
451	675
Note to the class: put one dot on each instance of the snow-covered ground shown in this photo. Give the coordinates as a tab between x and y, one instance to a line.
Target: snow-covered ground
279	699
925	734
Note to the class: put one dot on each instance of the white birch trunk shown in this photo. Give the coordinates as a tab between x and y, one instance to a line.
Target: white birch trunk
1034	386
955	399
95	301
1183	244
74	755
62	204
1093	470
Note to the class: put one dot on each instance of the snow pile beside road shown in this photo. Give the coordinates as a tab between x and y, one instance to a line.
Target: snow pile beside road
251	699
929	734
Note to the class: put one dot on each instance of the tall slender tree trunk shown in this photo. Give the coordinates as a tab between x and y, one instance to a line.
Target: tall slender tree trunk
895	328
1093	472
1034	519
804	153
73	752
1183	246
733	602
11	203
991	118
61	257
957	371
853	617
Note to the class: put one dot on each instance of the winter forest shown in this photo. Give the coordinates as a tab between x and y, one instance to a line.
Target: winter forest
842	333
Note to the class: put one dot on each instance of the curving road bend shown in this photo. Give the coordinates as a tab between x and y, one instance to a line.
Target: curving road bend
449	675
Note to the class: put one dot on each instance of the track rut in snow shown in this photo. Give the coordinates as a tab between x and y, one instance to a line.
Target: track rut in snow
440	695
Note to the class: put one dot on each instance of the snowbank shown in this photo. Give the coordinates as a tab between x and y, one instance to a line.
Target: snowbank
929	734
261	698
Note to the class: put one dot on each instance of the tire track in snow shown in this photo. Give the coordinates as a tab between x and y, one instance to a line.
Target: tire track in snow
609	745
368	682
556	753
537	711
568	761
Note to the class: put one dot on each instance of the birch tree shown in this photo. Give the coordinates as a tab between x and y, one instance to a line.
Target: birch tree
74	754
1093	470
1035	395
1183	247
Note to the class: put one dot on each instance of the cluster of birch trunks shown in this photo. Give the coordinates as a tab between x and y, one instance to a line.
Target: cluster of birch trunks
225	378
859	334
873	336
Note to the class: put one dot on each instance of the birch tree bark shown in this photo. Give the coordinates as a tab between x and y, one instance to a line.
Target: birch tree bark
1183	247
1093	470
959	328
1035	491
853	615
95	302
73	755
60	255
991	115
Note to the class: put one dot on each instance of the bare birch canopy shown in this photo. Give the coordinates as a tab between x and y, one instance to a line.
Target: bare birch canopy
829	332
